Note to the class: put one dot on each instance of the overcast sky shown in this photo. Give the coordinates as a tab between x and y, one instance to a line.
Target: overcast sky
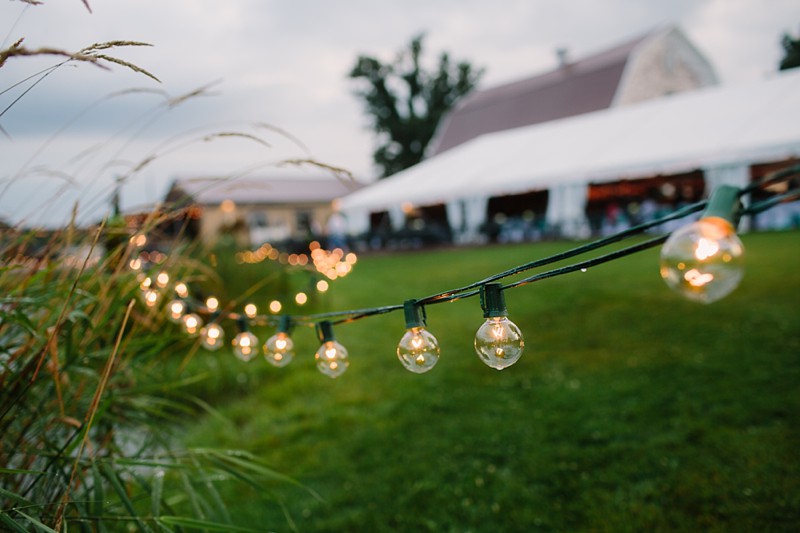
277	71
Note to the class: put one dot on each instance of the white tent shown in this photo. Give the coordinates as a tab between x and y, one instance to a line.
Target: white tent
721	130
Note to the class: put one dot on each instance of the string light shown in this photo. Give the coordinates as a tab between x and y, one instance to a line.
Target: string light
162	280
181	289
212	336
704	260
176	308
251	310
498	342
151	297
279	349
418	350
245	343
301	298
191	324
331	356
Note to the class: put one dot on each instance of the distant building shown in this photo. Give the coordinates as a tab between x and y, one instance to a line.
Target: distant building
654	65
258	210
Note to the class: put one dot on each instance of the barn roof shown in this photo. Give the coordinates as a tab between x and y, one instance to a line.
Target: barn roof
578	87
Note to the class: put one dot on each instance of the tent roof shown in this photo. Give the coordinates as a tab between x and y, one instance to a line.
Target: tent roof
750	123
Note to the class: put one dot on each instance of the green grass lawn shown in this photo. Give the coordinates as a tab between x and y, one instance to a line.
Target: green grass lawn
630	410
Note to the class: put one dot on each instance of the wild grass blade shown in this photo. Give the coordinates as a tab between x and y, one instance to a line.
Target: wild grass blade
97	505
112	476
16	497
158	490
36	523
191	494
11	524
205	524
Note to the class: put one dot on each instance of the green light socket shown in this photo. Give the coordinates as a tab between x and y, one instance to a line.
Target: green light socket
325	331
724	203
415	314
285	324
493	301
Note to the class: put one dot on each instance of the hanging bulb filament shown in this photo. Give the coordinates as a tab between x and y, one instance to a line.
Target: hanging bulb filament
279	349
704	260
331	356
213	336
418	350
245	343
192	324
175	309
498	342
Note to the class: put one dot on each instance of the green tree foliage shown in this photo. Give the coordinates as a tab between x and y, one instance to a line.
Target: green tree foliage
791	47
406	101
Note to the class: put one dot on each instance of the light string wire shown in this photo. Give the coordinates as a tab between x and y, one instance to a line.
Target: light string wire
473	289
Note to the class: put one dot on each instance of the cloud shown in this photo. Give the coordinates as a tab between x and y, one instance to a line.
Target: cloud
286	63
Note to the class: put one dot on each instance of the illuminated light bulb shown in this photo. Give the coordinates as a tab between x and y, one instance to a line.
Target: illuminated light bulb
213	336
181	289
245	344
192	324
250	310
162	279
498	342
322	285
175	310
704	261
135	264
151	297
138	240
145	284
331	356
279	349
212	303
275	306
418	350
301	298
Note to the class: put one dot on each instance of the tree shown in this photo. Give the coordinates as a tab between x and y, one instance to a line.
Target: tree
406	102
792	48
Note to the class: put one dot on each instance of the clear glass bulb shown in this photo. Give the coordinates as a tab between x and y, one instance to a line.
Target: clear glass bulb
151	297
175	310
245	345
162	280
279	349
213	336
192	324
181	289
703	261
331	359
418	350
499	342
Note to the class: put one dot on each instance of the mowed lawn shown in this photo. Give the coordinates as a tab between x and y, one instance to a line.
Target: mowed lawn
630	410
